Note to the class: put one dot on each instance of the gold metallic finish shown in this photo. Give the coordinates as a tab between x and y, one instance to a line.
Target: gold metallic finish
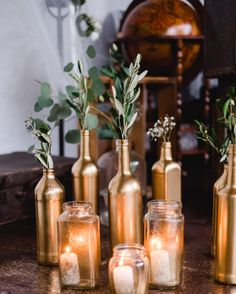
85	174
166	176
219	184
49	196
225	259
125	202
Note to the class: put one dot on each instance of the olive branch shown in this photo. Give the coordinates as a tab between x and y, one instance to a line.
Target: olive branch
42	132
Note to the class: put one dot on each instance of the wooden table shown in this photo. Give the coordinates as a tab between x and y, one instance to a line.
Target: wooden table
19	272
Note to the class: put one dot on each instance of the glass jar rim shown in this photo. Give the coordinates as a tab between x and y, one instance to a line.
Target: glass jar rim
165	203
81	206
125	249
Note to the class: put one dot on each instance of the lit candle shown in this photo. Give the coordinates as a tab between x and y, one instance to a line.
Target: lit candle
160	262
123	278
69	268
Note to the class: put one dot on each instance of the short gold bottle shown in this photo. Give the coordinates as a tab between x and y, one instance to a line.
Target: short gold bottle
125	202
219	184
166	176
85	174
225	259
49	197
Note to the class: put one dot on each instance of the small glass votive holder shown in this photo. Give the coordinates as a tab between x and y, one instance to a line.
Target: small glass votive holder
79	246
163	240
129	269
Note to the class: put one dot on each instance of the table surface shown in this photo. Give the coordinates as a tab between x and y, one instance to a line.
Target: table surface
20	273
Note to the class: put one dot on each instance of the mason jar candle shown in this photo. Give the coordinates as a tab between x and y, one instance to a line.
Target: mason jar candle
163	240
129	269
79	246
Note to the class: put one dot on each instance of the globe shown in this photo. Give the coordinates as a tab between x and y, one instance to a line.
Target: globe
162	18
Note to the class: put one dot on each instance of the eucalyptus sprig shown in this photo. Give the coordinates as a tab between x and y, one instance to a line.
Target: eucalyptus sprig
124	95
207	134
42	132
79	96
162	128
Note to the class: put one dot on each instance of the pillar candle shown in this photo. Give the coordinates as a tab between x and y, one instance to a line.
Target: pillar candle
69	268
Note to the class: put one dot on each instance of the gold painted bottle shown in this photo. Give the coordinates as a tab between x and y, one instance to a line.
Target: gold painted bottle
125	202
219	184
49	197
85	174
166	176
225	259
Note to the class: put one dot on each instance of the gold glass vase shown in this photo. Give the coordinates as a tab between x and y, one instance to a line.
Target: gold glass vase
85	174
49	196
166	176
125	202
219	184
225	259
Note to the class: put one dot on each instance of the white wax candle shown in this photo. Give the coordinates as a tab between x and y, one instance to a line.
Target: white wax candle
123	278
160	266
69	268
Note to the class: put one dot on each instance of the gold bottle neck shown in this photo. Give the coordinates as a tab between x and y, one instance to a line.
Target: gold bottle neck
231	180
166	153
49	173
84	144
123	156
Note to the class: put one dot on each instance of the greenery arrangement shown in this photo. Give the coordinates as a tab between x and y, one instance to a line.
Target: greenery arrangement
42	132
120	113
227	120
162	128
78	97
125	92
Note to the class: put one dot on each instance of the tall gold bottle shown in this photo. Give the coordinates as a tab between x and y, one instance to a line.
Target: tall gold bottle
49	197
166	176
85	174
219	184
225	259
125	202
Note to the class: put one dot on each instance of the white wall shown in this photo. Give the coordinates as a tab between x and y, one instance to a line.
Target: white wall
28	52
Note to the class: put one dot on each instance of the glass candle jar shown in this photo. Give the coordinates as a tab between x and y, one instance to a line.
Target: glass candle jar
129	269
79	246
163	240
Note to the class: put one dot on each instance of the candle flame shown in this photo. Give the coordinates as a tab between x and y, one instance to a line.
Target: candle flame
67	249
155	243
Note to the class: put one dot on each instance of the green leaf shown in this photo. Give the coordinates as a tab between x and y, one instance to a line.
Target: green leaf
45	102
91	52
91	121
54	112
226	107
90	94
98	87
64	112
41	160
119	107
73	136
37	107
70	89
94	73
45	89
41	125
133	119
30	149
62	96
68	67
